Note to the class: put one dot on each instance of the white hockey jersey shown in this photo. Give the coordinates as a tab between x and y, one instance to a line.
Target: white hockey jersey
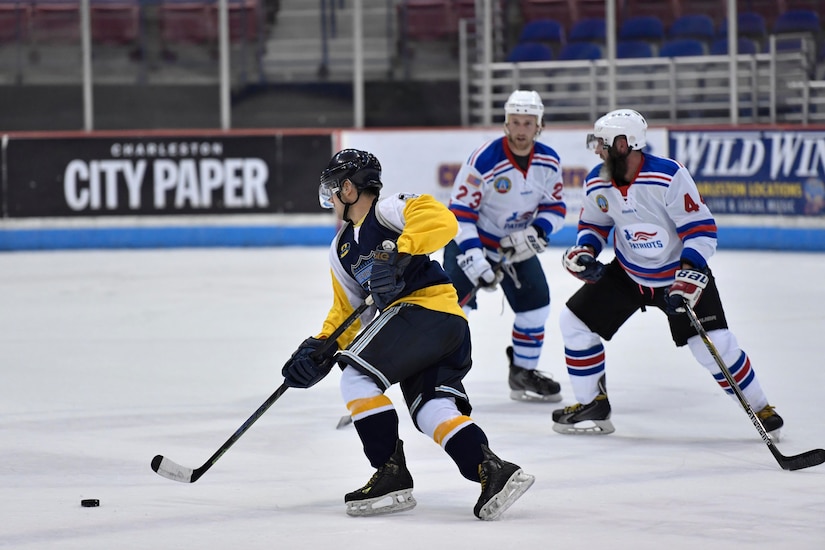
492	196
658	220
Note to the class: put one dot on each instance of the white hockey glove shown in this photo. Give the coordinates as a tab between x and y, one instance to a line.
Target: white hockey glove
478	269
582	264
686	289
522	245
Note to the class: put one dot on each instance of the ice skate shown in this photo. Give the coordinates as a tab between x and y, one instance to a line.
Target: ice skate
771	421
591	419
388	490
502	483
531	385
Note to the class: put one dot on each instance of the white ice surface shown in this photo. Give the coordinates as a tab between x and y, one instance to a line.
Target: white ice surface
109	358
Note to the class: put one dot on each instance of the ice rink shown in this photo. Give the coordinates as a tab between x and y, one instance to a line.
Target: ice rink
111	357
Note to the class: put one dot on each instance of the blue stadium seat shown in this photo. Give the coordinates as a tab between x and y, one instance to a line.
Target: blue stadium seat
743	45
643	27
794	21
714	9
548	31
530	51
626	49
580	51
589	29
682	48
749	24
696	26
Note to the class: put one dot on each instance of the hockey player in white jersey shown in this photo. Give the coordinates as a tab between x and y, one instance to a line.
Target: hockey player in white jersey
663	237
508	200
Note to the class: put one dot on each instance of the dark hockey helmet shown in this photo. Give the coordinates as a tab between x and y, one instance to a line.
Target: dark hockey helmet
360	167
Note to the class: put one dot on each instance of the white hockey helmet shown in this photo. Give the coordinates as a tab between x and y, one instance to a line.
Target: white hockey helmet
621	122
524	102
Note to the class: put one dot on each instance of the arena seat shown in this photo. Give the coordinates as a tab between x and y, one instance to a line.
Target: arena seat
589	29
15	18
529	51
422	20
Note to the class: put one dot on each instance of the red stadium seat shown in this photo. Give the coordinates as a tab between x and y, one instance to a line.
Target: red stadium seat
665	10
185	22
244	19
56	21
116	22
769	9
427	19
14	22
594	9
563	11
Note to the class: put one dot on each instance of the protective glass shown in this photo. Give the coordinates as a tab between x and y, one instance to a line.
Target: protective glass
593	142
325	191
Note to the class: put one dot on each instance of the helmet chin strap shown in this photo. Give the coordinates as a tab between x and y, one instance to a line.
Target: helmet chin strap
345	214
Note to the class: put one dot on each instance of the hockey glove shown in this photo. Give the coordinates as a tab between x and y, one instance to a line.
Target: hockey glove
582	264
386	282
523	245
686	289
476	267
306	368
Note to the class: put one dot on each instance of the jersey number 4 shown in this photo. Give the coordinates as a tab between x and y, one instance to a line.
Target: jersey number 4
690	204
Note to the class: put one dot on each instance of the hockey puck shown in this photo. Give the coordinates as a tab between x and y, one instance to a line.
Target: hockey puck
90	503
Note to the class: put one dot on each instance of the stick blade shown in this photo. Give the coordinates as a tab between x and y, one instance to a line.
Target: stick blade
172	470
804	460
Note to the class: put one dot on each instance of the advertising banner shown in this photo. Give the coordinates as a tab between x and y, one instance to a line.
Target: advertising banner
168	175
427	161
756	172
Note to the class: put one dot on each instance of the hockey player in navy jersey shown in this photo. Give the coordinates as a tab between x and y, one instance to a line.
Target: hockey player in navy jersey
508	200
663	237
420	339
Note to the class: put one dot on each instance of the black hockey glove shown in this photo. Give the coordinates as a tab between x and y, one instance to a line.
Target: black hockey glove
686	289
386	282
580	262
305	369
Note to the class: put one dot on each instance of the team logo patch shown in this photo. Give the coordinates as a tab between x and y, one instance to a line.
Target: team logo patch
601	202
344	250
502	185
362	269
646	239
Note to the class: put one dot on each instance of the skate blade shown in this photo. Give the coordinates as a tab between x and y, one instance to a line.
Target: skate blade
516	486
390	503
775	435
585	427
528	396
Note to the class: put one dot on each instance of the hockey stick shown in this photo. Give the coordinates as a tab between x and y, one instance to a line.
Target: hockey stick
795	462
473	291
174	471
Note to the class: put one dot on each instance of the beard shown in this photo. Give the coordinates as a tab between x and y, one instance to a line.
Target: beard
615	167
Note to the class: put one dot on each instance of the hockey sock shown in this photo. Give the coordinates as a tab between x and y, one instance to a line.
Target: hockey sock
528	337
376	422
464	447
585	368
